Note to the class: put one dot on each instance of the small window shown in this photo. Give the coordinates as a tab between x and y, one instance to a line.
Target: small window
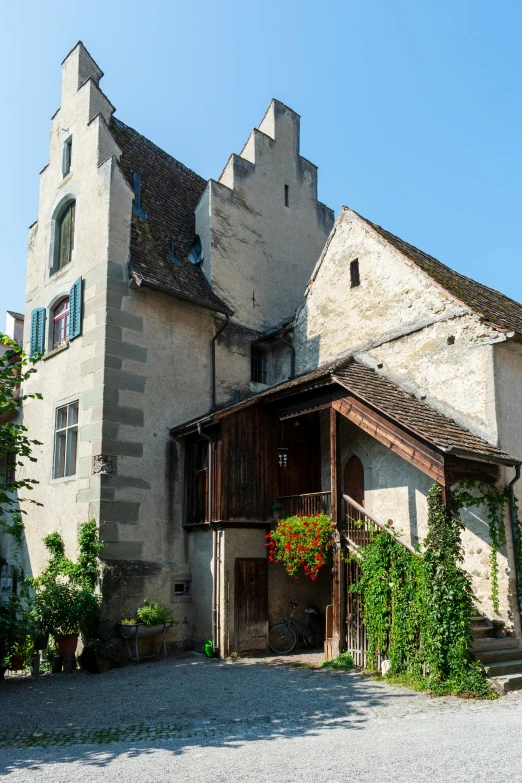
67	156
258	365
61	323
66	440
355	278
65	236
181	589
196	252
287	196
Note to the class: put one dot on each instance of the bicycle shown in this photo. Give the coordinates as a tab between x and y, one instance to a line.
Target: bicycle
283	637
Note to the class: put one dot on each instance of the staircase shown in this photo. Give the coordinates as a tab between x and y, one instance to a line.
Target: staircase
501	658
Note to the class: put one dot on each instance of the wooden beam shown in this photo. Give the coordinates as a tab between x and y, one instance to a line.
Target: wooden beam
407	446
338	568
310	406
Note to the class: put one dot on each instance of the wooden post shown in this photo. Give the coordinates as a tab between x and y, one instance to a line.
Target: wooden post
338	575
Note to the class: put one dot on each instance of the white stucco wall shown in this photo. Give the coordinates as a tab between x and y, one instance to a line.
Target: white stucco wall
259	253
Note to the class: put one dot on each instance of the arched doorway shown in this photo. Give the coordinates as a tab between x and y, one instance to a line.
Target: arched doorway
354	480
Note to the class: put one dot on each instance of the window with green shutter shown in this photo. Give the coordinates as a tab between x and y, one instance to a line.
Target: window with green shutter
37	331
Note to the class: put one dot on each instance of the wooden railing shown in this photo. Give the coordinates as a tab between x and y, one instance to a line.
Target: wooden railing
360	524
360	528
308	505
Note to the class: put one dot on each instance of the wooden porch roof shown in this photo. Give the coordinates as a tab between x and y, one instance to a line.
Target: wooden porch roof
373	400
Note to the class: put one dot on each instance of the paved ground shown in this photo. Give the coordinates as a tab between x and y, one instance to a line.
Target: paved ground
193	720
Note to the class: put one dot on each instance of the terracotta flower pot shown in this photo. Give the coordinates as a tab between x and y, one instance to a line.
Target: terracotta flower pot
17	662
66	645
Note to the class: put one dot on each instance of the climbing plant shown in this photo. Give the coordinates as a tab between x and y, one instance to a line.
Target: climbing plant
418	607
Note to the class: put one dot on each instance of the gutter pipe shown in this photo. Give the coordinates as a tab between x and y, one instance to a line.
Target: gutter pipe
214	541
213	360
292	356
514	528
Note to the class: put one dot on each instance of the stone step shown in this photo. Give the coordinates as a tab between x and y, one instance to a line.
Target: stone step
480	633
494	644
498	656
503	668
512	682
478	619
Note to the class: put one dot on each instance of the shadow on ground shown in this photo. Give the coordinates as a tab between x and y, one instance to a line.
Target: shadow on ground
179	703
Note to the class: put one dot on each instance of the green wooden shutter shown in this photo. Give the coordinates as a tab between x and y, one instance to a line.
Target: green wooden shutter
75	310
37	331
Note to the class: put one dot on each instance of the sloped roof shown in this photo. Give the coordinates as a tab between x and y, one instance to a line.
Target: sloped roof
413	414
170	193
378	392
491	305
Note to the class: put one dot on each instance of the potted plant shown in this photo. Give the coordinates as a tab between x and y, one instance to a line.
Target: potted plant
65	610
277	511
499	629
300	541
21	653
152	618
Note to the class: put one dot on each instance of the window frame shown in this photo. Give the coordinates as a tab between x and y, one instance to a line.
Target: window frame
68	429
67	157
258	364
59	213
64	317
355	273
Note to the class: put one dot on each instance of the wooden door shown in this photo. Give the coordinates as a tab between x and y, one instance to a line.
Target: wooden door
251	614
354	480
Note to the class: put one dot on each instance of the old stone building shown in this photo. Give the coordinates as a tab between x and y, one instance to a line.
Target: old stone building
191	328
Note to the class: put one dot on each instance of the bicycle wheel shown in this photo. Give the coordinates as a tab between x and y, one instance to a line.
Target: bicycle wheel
282	638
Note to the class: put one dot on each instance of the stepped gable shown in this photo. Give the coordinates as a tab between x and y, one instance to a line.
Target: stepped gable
170	192
491	305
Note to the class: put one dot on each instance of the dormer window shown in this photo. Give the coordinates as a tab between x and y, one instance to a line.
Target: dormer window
137	206
196	252
173	256
67	156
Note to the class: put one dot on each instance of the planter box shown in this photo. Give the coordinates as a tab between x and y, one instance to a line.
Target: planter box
143	631
139	631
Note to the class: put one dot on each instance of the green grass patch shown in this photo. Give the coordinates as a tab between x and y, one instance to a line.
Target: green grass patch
343	661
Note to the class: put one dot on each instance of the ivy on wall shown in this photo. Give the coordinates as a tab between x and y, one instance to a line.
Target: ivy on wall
418	608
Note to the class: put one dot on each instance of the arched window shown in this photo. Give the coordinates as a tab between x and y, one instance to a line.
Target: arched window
61	322
65	236
354	480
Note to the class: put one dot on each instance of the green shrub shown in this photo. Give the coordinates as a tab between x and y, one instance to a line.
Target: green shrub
152	613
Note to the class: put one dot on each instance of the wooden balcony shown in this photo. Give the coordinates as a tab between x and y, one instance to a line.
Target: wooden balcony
308	505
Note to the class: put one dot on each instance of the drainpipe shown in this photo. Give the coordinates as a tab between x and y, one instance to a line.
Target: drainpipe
514	528
292	356
214	539
213	360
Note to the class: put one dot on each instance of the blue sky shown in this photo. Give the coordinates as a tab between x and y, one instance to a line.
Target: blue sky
411	110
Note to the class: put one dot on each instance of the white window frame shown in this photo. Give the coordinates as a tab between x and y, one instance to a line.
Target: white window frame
73	427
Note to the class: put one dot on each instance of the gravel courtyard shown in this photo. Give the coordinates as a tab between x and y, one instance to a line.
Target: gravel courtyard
197	720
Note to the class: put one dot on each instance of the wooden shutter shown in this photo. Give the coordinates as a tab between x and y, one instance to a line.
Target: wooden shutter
75	310
37	331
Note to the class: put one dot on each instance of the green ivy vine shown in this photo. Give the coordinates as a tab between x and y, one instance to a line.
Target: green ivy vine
418	607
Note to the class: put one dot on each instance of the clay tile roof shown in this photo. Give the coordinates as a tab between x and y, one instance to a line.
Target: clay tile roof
170	193
411	413
491	305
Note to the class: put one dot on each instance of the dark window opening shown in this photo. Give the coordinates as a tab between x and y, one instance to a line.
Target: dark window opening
181	588
355	278
287	195
67	156
137	206
258	371
197	480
